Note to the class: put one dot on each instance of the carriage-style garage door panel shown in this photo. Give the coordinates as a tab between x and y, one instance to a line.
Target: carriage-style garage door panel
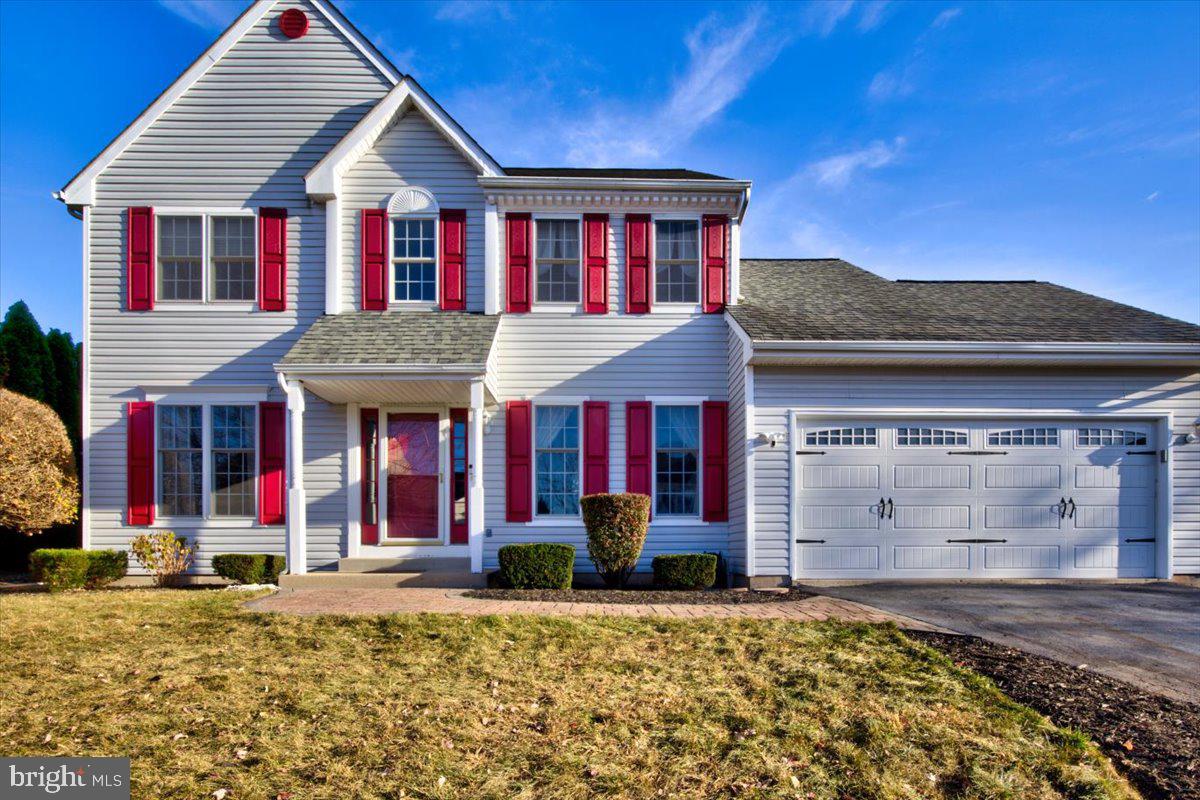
975	499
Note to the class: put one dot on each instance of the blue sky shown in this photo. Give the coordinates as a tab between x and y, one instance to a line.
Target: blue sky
933	140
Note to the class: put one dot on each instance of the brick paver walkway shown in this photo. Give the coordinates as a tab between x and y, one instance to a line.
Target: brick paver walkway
452	601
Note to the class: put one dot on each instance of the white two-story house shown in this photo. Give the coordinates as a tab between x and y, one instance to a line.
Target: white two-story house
321	320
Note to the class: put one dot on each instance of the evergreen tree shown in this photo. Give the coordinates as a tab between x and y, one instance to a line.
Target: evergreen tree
30	371
64	358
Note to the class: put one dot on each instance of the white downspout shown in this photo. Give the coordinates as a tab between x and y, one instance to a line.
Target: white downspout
475	465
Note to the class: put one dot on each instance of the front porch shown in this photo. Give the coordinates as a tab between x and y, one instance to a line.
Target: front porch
415	388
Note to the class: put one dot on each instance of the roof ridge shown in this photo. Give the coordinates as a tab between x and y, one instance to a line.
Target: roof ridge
983	280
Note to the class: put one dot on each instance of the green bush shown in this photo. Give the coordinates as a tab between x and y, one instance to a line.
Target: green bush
60	569
541	565
249	567
616	528
685	570
106	566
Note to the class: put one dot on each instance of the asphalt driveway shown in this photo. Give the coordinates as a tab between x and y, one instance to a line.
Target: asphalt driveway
1147	634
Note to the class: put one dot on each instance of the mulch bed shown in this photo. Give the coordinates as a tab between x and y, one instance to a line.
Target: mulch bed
1153	740
641	596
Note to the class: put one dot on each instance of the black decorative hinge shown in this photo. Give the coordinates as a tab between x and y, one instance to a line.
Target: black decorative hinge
976	541
810	541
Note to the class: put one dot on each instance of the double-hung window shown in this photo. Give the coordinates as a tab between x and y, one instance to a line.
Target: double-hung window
414	260
676	261
558	265
676	460
207	460
206	258
556	445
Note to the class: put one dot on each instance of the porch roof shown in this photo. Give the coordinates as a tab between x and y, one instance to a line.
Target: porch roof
435	339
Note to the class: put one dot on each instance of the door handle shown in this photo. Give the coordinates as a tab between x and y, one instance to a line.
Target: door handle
891	508
882	507
1071	515
1062	507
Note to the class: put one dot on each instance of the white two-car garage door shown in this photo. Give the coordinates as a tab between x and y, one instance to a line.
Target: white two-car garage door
974	499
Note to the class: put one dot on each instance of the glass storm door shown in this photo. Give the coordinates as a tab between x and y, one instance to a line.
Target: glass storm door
412	476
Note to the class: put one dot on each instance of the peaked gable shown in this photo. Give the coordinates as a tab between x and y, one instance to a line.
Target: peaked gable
325	179
81	189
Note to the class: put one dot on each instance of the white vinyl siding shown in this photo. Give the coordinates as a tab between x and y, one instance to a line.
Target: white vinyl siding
778	389
412	152
242	137
737	451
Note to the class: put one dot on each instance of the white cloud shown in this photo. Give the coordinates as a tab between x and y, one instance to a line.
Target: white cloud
900	80
472	10
1150	198
209	14
722	60
873	14
823	16
837	171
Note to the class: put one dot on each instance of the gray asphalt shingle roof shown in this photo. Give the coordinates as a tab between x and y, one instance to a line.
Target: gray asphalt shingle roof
438	338
670	173
831	299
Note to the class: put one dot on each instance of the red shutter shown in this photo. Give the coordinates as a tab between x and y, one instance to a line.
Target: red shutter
639	429
637	263
518	461
272	466
517	253
272	259
374	259
452	260
139	461
460	484
716	229
369	477
595	447
595	263
139	277
715	455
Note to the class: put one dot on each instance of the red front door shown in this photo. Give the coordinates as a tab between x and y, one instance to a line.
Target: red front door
412	476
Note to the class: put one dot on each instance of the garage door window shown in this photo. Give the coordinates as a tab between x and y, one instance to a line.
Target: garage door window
843	437
1024	437
929	437
1106	437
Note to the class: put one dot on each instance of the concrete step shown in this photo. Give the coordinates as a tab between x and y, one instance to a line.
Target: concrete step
410	564
435	579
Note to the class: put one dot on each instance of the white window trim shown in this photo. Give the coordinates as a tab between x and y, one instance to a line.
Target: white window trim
547	305
556	519
437	262
206	301
207	518
668	520
691	308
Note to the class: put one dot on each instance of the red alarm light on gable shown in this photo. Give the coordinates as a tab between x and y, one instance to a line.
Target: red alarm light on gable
293	23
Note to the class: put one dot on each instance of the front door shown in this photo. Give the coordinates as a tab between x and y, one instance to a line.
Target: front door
412	476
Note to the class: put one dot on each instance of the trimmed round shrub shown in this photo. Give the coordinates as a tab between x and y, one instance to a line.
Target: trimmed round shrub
685	570
60	570
106	566
249	567
616	528
541	565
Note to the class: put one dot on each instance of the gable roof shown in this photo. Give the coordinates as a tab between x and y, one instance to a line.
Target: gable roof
673	173
396	338
80	190
324	180
831	299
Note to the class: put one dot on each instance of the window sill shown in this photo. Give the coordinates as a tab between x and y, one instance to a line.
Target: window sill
412	305
677	522
230	523
169	305
556	522
677	308
557	308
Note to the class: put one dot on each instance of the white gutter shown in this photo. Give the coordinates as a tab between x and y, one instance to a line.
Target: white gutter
676	184
1135	354
382	369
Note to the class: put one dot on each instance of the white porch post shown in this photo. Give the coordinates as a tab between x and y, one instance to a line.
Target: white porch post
297	546
475	461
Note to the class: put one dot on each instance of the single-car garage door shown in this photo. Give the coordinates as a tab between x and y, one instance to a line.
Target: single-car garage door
974	498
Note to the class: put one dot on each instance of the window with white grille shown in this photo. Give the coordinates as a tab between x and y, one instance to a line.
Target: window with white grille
677	261
1106	437
1024	437
929	437
558	260
843	437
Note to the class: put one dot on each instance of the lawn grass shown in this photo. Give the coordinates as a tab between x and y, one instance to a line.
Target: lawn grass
205	696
